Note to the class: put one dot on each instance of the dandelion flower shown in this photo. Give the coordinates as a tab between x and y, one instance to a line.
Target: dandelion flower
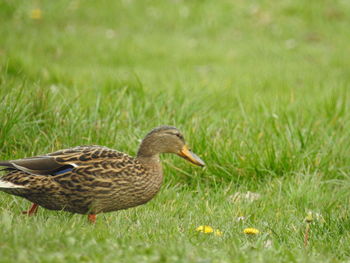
218	233
309	218
251	231
36	14
205	229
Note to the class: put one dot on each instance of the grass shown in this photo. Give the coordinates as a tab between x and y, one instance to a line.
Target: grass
259	88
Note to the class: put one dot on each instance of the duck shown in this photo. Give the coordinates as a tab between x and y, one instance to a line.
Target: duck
94	179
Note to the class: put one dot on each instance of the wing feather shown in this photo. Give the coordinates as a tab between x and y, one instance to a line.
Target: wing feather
41	165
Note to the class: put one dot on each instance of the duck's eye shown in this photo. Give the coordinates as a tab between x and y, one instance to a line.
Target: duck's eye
179	135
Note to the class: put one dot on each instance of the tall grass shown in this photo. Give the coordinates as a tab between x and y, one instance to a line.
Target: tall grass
259	89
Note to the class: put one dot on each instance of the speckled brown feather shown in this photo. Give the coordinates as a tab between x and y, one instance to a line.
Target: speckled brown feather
103	180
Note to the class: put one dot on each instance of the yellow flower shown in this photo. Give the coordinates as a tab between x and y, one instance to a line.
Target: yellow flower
205	229
309	218
209	230
251	231
36	14
218	233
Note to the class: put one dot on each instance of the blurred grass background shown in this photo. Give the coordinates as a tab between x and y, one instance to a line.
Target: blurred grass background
259	88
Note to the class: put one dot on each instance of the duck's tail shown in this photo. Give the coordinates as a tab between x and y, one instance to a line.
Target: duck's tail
7	166
9	185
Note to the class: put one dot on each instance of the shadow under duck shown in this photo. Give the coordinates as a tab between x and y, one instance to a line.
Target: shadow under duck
94	179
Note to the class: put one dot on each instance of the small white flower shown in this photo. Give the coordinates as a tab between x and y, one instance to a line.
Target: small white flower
240	218
268	243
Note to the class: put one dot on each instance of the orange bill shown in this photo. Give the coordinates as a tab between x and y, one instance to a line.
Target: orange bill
190	156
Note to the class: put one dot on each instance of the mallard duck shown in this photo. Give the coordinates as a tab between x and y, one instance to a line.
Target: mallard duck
94	179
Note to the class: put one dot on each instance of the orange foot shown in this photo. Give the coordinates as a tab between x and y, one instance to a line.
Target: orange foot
32	210
92	218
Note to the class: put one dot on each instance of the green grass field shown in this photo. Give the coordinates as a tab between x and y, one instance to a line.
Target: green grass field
260	90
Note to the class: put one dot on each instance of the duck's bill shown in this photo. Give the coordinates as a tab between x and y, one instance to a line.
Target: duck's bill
190	156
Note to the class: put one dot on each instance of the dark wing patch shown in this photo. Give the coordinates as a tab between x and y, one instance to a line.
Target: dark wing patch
6	164
42	165
63	169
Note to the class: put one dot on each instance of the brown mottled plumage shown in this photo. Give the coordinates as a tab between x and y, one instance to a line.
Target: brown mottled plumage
94	179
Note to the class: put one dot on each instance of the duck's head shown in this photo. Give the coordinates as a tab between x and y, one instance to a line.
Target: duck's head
167	139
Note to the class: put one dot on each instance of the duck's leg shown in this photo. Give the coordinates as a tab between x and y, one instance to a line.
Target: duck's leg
92	218
32	210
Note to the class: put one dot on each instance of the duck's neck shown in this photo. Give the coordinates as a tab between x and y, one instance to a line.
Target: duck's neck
154	178
148	148
150	160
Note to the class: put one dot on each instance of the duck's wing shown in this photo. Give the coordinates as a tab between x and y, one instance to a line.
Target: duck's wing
41	165
64	160
30	171
50	164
